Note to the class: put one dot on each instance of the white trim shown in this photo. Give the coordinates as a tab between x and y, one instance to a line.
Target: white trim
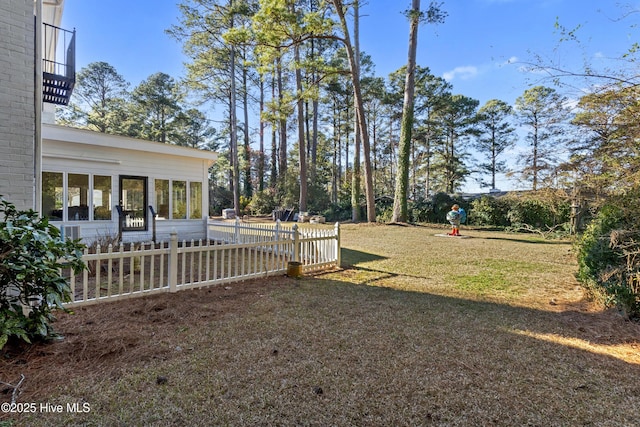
87	137
83	159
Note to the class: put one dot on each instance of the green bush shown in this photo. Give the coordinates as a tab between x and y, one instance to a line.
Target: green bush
384	209
421	210
263	202
441	204
219	198
490	211
538	213
338	212
607	255
593	248
32	254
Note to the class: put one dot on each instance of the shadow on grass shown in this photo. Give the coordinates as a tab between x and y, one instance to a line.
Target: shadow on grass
533	240
352	257
571	328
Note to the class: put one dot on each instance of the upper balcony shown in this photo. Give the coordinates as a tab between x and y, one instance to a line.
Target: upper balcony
58	64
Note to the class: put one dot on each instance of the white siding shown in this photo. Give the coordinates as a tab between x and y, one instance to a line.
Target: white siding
77	151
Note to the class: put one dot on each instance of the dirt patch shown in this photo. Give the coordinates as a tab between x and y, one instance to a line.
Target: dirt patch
103	339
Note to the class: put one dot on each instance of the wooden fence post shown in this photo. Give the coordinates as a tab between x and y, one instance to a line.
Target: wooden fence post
173	262
296	243
277	237
237	231
338	255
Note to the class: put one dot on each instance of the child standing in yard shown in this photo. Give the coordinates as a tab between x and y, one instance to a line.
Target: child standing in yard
454	217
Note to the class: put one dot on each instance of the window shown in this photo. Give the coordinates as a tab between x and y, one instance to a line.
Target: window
101	197
195	200
179	199
133	201
52	195
162	198
77	197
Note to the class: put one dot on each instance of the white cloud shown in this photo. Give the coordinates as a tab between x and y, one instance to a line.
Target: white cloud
464	73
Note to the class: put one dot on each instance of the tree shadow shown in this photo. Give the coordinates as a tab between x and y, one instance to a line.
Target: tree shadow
352	257
535	241
570	326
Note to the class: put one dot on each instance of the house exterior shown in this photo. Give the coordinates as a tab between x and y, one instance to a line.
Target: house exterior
97	186
17	103
89	184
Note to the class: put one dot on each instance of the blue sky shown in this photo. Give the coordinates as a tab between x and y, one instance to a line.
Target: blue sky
480	49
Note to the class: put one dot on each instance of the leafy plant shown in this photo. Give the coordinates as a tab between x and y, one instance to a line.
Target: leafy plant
263	202
489	210
608	252
32	254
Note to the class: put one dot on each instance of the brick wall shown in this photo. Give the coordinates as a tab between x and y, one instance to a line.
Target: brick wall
17	116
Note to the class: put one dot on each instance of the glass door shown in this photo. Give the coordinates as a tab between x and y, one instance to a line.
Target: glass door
133	201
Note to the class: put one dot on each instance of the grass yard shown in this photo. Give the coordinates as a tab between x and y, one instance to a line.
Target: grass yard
415	330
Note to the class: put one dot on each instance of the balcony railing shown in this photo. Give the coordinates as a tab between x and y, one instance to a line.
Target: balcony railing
58	64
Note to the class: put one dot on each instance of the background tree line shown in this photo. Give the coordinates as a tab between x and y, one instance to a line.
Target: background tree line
303	121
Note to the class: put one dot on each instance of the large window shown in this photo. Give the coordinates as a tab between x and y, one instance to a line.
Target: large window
133	201
52	195
83	197
162	198
179	199
101	197
77	197
195	200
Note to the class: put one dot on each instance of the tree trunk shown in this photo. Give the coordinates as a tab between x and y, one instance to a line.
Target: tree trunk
360	114
273	179
282	154
400	205
261	160
248	186
233	127
301	134
355	175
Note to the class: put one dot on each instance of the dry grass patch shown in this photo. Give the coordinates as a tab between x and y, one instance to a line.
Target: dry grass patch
408	334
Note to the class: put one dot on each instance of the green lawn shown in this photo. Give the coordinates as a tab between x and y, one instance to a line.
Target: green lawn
415	330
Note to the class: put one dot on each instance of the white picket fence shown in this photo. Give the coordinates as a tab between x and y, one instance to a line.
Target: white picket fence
232	252
316	248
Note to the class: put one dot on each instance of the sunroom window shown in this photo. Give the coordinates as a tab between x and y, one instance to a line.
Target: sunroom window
52	195
195	200
179	189
77	197
162	198
101	197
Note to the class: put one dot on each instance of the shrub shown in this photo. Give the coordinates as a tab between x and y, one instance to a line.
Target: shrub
263	202
32	254
538	213
317	197
421	210
384	209
607	253
219	198
491	211
441	204
338	212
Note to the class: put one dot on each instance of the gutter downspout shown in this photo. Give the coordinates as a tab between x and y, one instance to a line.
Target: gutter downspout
38	109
